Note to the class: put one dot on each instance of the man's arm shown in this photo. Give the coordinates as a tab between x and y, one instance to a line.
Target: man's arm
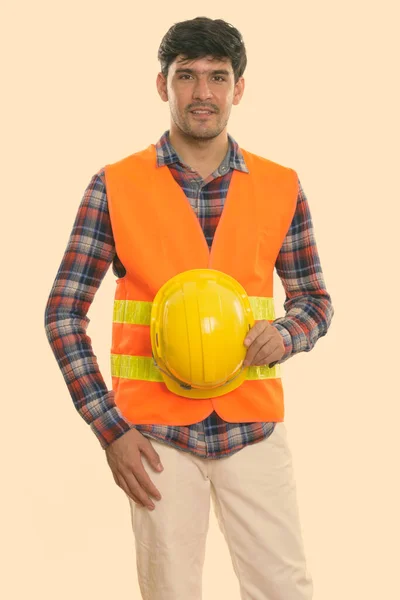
308	305
88	255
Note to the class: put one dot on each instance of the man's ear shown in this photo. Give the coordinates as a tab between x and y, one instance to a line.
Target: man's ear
239	90
161	83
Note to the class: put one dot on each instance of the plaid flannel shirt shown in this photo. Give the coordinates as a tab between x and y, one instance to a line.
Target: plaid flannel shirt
91	250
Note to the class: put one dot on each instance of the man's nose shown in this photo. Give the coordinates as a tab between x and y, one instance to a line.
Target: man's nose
201	89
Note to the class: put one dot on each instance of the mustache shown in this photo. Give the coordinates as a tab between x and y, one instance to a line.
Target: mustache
208	107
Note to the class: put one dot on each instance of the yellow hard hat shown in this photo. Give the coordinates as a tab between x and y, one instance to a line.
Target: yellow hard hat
199	321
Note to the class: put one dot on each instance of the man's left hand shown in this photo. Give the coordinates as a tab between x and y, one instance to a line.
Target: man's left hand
264	345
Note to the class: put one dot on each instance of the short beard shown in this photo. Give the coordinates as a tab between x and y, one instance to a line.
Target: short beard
187	131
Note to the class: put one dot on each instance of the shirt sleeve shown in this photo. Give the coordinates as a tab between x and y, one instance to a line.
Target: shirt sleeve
88	255
308	306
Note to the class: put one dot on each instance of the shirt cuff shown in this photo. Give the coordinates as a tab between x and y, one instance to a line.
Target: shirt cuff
110	426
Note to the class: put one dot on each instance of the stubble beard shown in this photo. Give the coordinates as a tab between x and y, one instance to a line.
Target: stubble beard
197	133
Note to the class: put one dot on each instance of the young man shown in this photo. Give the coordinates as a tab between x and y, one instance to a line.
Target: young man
142	214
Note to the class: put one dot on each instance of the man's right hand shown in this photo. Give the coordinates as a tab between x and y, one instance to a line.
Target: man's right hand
124	458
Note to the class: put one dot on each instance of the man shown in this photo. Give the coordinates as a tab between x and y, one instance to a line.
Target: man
245	466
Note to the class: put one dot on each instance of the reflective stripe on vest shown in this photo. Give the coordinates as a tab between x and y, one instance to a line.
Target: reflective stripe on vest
138	313
144	368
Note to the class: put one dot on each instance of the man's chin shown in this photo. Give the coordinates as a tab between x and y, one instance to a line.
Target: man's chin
202	134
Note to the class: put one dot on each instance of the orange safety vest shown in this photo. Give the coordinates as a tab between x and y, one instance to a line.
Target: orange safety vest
157	235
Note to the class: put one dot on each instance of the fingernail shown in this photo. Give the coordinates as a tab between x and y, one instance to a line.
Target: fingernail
151	507
246	342
159	467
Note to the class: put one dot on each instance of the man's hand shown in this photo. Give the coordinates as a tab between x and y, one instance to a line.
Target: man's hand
264	345
124	458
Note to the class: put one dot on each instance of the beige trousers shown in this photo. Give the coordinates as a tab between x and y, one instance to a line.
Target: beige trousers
254	498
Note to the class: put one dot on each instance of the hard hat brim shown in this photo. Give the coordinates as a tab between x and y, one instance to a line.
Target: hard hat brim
201	394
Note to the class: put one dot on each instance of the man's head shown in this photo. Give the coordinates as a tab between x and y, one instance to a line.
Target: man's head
202	66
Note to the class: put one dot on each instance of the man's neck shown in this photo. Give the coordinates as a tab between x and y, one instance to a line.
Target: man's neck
201	155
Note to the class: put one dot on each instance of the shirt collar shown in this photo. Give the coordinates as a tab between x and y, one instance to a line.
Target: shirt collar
167	155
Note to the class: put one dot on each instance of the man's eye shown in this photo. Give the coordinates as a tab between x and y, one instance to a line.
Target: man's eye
218	77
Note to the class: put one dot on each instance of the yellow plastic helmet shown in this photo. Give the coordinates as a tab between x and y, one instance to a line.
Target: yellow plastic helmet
199	321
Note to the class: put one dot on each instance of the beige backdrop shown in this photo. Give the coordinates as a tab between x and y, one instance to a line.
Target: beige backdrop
321	98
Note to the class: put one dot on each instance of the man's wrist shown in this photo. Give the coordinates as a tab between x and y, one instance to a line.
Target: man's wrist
287	342
110	426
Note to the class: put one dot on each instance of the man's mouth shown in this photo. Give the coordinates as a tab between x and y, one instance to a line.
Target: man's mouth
202	111
201	115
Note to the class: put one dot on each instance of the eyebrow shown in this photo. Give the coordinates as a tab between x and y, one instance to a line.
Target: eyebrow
214	72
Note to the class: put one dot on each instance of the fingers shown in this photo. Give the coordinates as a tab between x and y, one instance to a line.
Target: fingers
134	491
146	483
254	332
264	345
133	479
270	352
152	456
138	485
125	461
263	338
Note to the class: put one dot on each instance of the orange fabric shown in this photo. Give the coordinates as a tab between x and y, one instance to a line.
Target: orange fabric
157	235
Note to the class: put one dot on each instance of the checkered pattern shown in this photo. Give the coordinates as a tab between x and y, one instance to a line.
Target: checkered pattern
90	252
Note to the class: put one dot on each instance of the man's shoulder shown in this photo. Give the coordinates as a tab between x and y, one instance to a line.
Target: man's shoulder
140	156
264	163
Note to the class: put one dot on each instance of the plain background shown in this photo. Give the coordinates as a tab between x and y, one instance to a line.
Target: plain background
321	98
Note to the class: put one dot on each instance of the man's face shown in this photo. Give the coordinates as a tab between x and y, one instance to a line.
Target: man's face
201	84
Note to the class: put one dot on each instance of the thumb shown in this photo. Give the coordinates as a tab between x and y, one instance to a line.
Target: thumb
152	456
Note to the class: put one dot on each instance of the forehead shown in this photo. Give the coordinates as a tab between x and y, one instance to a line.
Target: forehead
201	65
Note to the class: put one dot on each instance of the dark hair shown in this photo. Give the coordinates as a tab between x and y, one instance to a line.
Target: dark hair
201	37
